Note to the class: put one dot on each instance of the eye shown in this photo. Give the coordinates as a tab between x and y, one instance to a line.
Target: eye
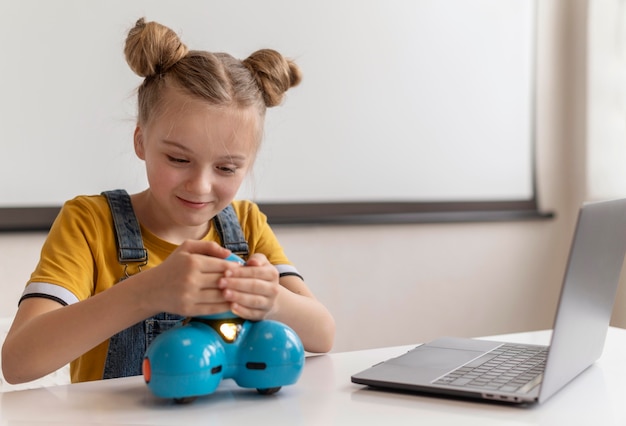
177	160
231	170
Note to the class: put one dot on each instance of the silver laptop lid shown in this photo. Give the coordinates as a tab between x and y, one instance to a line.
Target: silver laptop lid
588	293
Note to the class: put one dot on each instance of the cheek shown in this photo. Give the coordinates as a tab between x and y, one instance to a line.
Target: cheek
160	176
229	187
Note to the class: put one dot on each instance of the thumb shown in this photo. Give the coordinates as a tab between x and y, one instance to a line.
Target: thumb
207	248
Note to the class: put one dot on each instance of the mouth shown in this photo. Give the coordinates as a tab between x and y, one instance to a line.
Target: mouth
193	204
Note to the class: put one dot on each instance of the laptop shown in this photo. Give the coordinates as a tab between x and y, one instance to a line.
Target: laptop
472	368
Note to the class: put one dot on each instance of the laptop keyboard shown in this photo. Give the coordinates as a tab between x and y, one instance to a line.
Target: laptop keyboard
508	368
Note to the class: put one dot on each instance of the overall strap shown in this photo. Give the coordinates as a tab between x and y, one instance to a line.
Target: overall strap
229	230
127	232
127	348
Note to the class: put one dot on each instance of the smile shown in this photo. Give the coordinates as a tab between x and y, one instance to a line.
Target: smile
194	204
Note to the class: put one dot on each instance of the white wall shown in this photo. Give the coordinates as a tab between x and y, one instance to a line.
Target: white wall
445	56
401	284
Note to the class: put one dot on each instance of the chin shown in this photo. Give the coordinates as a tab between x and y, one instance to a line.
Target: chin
197	220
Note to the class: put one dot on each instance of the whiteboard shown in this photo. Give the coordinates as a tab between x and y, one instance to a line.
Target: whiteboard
401	100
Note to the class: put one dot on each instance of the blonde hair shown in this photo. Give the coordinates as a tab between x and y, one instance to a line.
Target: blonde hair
156	53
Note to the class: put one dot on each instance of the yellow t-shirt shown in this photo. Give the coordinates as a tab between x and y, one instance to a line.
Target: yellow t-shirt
79	259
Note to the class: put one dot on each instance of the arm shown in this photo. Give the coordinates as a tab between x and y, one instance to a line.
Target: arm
305	314
256	291
63	333
186	284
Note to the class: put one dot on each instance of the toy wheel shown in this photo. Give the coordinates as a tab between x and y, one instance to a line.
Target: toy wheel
269	391
185	400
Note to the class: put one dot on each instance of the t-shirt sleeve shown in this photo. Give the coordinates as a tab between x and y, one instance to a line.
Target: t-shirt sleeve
66	270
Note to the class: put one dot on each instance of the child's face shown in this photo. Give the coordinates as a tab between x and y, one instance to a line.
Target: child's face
196	158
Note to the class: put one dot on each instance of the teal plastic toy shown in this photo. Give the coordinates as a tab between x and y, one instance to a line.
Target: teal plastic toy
191	359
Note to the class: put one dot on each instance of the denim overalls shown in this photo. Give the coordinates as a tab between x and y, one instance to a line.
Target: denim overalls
127	348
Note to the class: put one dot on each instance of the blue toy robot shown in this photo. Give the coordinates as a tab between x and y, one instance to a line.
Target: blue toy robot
191	360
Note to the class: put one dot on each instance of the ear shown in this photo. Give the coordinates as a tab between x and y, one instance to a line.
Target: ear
138	142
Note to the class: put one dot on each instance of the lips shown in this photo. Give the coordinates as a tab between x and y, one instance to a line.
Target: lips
193	204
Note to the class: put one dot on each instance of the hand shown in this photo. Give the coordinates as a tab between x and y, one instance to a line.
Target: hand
186	283
251	290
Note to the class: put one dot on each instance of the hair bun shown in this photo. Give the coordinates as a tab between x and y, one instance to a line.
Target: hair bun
152	48
273	73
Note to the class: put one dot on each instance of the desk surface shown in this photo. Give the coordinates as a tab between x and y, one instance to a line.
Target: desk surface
324	395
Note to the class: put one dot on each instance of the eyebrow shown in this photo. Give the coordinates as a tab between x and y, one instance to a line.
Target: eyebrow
182	147
177	145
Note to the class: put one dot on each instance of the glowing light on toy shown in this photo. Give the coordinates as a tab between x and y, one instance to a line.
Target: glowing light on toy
229	331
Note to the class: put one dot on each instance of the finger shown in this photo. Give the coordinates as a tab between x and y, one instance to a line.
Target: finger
251	286
212	265
248	313
207	248
266	272
257	259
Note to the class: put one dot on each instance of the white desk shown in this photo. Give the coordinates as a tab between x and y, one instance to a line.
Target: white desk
325	396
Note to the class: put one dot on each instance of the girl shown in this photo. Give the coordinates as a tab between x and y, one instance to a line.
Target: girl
199	126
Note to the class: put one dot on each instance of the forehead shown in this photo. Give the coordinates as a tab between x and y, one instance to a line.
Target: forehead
188	116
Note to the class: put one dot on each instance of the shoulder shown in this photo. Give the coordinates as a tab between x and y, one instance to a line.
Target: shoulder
87	209
258	232
248	212
93	203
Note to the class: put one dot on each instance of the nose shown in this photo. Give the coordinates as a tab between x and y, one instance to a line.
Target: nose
200	181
